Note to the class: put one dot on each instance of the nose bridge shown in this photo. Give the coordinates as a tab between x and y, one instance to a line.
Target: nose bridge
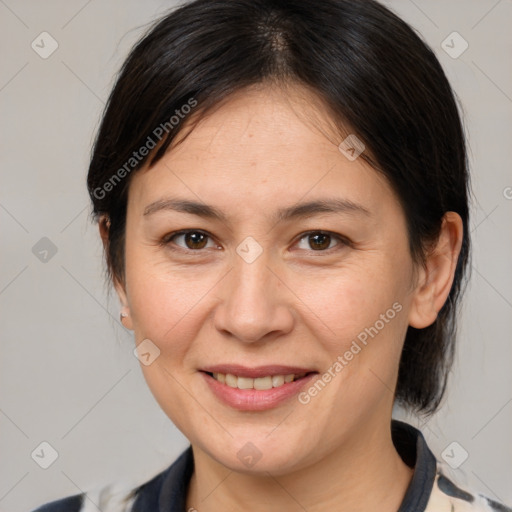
252	280
253	302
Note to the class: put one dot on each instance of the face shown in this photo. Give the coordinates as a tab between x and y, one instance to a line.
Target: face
257	282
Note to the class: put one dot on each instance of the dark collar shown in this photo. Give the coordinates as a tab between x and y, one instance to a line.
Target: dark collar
167	492
412	447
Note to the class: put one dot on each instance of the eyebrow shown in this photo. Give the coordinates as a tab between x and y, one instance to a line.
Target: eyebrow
301	210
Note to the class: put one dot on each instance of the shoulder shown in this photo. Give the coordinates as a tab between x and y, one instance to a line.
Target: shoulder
70	504
116	497
168	485
447	495
434	486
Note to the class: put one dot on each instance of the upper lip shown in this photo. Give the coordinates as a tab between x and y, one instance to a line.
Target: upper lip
257	371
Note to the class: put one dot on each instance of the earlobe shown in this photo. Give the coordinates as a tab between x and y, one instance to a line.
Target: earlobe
104	226
436	277
125	318
124	315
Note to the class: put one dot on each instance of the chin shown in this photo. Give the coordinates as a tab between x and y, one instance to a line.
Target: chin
259	455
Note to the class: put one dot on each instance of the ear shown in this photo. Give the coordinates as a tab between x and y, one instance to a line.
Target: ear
125	317
436	277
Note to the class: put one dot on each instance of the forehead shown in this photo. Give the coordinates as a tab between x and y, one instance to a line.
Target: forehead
262	147
263	121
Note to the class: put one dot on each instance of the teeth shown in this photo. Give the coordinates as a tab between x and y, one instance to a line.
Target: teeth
231	381
277	380
261	383
244	382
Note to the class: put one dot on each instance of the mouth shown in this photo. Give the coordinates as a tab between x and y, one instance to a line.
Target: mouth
256	389
260	383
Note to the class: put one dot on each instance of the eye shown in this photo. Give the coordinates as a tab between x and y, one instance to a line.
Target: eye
321	241
192	240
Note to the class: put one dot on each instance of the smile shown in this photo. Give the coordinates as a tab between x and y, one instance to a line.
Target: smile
260	383
256	389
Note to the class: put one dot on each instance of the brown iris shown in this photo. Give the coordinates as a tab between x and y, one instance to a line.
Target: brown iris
321	241
195	240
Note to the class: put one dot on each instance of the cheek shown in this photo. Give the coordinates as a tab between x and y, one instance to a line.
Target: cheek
167	305
166	309
360	319
345	302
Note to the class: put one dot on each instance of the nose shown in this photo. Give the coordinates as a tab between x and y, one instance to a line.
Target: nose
255	302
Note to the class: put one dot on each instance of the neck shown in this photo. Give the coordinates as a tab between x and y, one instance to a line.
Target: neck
365	473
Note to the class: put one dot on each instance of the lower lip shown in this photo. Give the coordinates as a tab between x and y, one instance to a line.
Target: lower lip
255	399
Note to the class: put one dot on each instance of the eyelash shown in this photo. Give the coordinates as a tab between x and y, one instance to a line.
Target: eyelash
167	240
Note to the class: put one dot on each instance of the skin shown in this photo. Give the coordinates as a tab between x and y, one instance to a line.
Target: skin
259	151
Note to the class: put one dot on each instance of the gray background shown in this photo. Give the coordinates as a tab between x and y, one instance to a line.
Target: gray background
68	375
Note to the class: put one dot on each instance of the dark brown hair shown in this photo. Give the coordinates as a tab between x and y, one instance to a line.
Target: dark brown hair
373	71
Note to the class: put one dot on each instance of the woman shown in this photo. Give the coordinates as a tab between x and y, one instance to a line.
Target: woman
281	189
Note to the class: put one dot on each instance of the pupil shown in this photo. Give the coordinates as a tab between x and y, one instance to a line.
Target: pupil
323	237
194	240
